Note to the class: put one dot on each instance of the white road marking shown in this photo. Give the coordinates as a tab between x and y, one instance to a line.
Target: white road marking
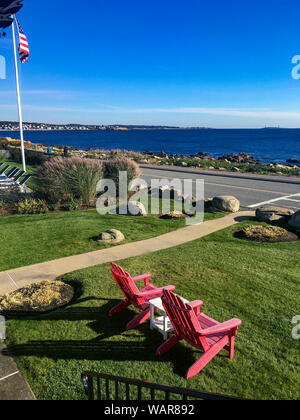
9	376
291	199
274	200
10	277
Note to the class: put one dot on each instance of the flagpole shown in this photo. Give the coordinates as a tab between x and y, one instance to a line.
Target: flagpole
19	97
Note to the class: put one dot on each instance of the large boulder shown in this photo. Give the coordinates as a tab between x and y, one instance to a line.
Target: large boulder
238	158
226	203
136	208
112	236
133	208
295	220
189	198
272	213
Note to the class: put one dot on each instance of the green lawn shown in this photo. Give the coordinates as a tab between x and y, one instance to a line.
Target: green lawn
258	283
32	239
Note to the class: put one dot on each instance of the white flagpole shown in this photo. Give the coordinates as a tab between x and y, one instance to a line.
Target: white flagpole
19	97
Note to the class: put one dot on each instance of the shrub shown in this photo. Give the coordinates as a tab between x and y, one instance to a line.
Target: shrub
31	206
76	176
32	157
69	203
4	155
111	169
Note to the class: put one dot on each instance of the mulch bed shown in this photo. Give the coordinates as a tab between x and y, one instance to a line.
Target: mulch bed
37	298
174	215
271	234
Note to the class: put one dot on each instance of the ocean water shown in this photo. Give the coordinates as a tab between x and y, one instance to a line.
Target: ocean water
268	145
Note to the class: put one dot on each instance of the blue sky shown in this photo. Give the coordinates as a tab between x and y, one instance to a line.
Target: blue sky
192	63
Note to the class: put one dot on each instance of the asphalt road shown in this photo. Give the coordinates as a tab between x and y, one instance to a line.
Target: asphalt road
251	190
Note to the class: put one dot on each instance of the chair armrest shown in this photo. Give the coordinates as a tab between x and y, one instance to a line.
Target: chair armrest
219	328
158	291
196	305
145	277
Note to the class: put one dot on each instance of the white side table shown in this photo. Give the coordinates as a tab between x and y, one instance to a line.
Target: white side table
162	323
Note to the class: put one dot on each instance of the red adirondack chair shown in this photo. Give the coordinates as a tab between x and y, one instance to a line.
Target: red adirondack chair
134	296
197	329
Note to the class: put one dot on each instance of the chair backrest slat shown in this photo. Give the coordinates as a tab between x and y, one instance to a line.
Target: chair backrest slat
25	179
12	171
4	169
20	174
125	283
183	318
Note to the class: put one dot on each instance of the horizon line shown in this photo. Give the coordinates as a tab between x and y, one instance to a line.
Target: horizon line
150	126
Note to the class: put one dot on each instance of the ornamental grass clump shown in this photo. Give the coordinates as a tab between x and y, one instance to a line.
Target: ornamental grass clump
113	167
75	176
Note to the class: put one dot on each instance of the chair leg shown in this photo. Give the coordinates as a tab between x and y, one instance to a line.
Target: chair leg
205	359
119	308
231	351
138	320
167	345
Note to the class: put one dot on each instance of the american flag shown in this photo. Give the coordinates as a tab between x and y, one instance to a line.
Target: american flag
23	47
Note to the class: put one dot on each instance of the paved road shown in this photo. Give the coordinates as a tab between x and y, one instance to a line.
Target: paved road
252	191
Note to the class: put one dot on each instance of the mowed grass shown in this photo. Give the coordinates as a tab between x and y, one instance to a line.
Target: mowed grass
31	239
258	283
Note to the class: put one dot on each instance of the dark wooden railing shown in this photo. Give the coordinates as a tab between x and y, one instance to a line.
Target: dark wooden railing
107	387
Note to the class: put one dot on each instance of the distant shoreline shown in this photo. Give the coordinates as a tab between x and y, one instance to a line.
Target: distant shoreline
155	128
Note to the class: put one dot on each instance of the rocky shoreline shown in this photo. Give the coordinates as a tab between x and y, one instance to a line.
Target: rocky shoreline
234	162
239	158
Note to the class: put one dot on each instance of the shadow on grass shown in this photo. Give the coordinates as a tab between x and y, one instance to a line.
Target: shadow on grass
111	342
119	351
240	219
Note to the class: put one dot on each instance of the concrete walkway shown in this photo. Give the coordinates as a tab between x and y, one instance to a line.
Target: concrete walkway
13	386
20	277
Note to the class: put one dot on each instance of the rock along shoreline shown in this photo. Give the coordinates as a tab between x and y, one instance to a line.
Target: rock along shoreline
232	162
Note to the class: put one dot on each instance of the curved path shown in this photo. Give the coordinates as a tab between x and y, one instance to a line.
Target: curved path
50	270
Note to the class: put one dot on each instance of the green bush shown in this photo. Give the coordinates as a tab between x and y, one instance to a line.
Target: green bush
69	203
4	155
111	169
31	206
75	176
33	157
